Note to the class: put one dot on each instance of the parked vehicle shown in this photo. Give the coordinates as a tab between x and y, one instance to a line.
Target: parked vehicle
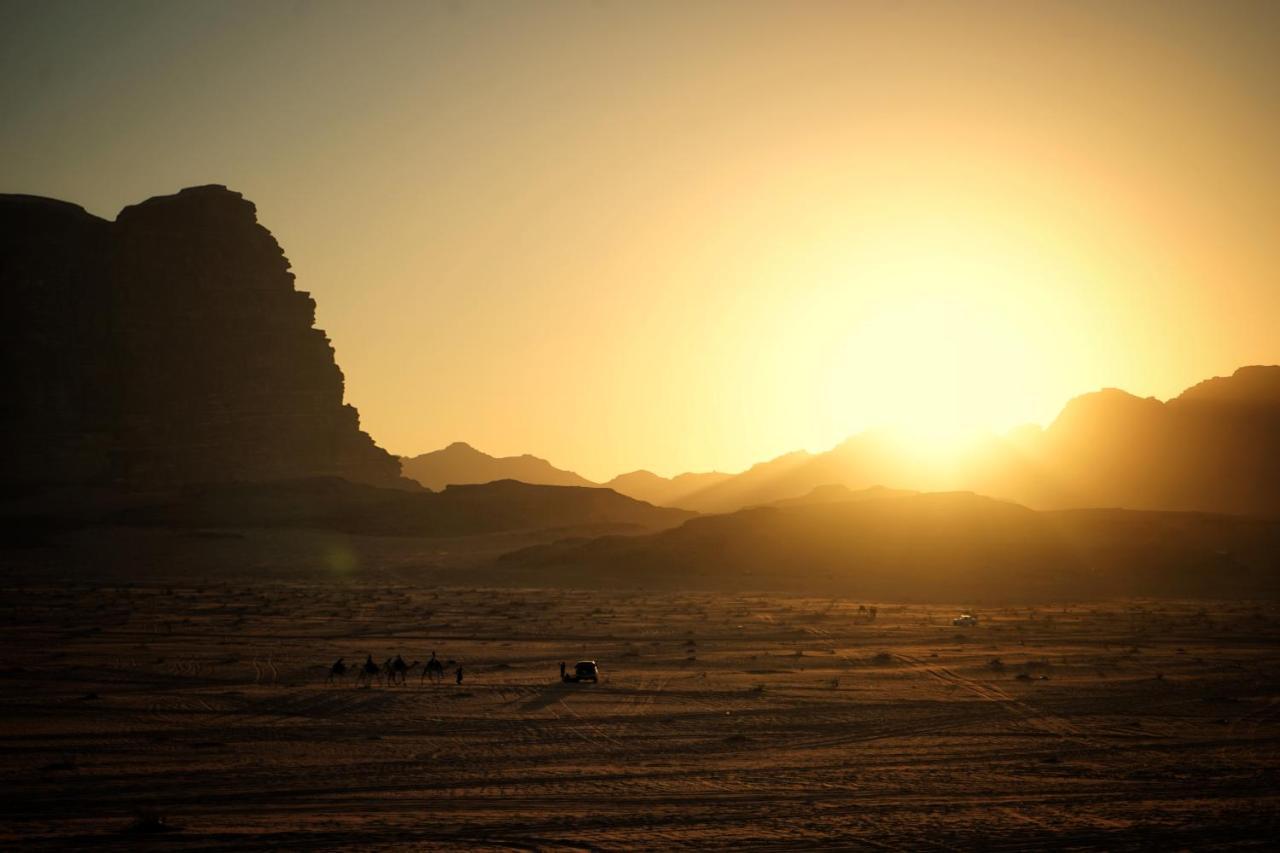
583	670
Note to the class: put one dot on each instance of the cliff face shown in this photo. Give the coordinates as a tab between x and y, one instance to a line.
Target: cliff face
164	348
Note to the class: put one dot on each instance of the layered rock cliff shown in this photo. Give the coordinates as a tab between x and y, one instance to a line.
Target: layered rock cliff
167	347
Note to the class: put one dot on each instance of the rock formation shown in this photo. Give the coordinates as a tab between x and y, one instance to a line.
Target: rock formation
168	347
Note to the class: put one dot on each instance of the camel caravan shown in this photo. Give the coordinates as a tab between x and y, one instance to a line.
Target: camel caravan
392	671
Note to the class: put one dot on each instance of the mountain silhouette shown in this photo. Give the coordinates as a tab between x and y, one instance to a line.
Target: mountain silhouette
166	347
470	510
170	347
1213	448
667	491
461	464
950	547
837	493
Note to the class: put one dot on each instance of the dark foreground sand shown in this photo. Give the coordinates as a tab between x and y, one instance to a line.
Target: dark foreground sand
723	720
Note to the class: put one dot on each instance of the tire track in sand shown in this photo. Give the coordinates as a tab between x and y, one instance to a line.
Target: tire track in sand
1045	721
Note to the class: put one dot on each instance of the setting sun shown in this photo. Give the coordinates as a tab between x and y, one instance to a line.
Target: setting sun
941	364
939	331
935	368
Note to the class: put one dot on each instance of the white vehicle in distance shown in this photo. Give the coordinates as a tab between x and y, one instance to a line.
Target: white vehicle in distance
965	620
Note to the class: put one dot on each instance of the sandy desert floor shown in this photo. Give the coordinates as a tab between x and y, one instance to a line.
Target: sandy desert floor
723	720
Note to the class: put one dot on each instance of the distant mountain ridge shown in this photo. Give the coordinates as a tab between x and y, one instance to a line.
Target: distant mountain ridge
460	464
837	493
1213	448
667	491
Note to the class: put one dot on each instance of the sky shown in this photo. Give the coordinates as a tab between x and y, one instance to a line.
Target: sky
696	235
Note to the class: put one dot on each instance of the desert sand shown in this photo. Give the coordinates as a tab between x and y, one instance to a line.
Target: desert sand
195	712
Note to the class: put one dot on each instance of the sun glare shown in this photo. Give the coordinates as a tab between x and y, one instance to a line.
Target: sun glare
936	370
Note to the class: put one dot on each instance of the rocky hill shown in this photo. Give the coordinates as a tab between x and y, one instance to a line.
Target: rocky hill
460	464
166	347
948	547
472	510
668	491
1213	448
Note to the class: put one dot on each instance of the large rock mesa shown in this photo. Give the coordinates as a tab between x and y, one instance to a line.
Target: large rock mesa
165	348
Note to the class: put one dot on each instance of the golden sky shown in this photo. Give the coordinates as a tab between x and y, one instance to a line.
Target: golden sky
695	235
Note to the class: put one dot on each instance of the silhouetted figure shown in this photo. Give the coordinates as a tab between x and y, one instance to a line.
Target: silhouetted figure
562	670
459	673
338	669
368	671
433	670
401	670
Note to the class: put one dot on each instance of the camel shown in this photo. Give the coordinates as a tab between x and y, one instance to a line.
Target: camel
433	669
368	671
338	670
400	669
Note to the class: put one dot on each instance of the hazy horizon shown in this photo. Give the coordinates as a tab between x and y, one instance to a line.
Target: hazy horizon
684	237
